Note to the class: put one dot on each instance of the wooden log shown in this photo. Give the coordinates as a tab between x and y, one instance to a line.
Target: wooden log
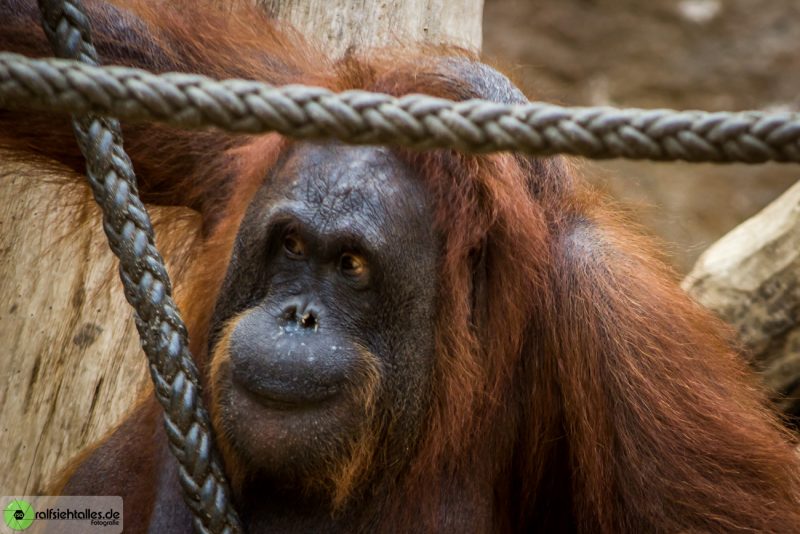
751	279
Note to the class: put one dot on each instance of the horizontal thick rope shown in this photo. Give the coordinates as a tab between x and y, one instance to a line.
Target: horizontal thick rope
418	121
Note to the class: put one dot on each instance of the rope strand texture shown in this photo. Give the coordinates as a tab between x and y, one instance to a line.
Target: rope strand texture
146	286
418	121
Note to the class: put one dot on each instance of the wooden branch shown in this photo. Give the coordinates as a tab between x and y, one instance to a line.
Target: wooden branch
751	279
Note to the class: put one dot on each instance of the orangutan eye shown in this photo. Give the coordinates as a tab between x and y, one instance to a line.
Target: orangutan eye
353	266
294	246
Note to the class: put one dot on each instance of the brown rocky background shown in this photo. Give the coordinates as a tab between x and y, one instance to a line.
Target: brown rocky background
702	54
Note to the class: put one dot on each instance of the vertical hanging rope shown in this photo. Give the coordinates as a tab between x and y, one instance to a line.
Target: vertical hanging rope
147	287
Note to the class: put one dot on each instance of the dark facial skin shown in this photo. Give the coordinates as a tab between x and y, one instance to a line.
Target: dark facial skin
327	312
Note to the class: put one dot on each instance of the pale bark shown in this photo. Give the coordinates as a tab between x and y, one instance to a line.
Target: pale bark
337	25
71	365
751	279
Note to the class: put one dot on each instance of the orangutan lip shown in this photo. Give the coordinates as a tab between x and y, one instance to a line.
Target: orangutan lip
279	398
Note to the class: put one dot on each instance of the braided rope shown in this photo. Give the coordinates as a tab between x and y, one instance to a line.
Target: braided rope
418	121
147	287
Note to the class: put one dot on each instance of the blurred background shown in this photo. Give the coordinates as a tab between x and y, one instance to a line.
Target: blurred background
686	54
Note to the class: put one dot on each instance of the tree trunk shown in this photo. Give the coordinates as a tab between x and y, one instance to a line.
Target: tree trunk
337	25
71	362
